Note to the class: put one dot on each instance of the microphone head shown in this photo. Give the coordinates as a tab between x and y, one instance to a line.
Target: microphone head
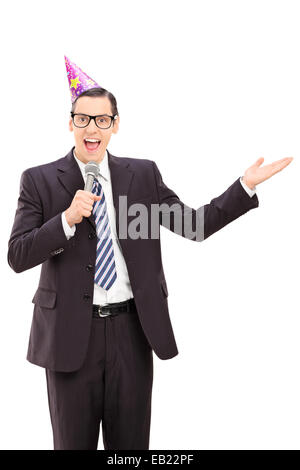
92	168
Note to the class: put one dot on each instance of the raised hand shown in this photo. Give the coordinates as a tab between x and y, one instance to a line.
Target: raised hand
256	174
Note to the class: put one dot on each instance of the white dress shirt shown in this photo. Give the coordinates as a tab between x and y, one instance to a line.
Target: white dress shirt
121	288
251	192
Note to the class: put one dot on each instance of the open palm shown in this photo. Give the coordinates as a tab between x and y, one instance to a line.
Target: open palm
256	174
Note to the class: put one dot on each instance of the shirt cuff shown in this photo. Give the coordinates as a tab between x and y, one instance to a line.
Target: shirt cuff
251	192
69	231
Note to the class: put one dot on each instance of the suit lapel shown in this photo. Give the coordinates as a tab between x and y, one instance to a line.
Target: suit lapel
121	177
69	175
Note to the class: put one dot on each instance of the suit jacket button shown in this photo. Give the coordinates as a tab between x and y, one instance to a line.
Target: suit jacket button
89	267
86	296
92	235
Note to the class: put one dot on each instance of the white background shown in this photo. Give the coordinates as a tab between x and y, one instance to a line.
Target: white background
232	69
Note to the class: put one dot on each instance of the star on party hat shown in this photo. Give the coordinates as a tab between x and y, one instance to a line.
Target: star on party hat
78	80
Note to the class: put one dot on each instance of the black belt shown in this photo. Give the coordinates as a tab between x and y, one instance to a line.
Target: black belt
114	309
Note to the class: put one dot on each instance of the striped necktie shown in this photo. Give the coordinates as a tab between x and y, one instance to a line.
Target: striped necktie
105	267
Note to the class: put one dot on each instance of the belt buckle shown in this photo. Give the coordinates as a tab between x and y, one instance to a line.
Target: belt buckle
102	314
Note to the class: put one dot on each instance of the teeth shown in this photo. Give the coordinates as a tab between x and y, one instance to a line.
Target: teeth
92	140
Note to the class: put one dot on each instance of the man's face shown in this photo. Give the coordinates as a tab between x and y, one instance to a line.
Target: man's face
93	106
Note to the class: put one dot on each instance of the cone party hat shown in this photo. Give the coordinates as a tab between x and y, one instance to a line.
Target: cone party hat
78	80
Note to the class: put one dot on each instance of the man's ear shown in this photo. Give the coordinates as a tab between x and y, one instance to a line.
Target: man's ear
71	125
116	125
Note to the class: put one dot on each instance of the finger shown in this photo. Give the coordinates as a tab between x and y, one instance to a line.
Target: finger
258	162
289	159
87	206
86	213
91	198
281	164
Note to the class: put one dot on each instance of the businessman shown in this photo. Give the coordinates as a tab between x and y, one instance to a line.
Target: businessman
101	306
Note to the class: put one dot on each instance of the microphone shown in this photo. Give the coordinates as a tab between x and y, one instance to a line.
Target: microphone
91	171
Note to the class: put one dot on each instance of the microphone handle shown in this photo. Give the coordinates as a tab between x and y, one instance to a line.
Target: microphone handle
89	182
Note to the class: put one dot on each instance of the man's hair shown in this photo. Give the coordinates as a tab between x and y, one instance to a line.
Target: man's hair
99	91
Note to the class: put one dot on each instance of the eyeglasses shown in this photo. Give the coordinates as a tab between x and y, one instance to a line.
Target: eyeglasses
103	121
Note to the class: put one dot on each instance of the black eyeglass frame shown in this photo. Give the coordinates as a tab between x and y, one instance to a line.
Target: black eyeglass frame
93	117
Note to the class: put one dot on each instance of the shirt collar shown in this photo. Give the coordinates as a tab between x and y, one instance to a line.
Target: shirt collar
103	166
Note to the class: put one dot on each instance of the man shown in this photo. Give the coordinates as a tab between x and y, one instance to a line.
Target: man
101	306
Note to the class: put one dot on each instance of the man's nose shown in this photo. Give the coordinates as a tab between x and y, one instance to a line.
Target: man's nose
92	124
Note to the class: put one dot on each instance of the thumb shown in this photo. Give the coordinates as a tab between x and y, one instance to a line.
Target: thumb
259	161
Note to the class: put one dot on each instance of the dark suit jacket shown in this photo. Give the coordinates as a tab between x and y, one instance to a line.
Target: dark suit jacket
62	315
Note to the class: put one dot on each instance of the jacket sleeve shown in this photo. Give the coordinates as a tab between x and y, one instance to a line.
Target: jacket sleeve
199	224
31	240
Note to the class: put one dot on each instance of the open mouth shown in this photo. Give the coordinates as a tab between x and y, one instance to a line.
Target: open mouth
91	145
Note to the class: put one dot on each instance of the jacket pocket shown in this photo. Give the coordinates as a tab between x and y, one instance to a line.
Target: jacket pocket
164	287
44	297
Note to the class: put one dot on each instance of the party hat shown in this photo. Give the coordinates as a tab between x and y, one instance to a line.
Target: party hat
78	80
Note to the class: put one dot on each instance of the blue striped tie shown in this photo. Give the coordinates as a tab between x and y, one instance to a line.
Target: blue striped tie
105	267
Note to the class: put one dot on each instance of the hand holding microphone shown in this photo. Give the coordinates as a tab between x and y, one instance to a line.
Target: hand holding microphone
83	201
